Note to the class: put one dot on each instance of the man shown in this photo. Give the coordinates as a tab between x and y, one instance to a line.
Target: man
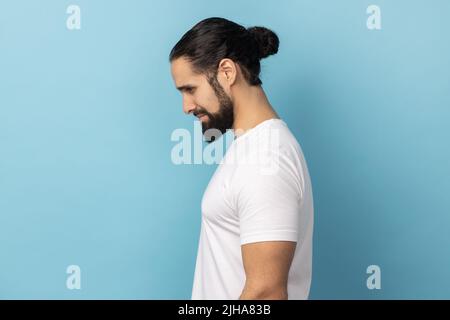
257	225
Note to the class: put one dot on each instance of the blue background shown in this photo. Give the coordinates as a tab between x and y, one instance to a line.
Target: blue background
86	118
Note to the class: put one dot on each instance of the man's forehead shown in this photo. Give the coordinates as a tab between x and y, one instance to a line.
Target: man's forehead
183	75
181	69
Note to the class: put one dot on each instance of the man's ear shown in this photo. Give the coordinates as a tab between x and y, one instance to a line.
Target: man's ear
227	72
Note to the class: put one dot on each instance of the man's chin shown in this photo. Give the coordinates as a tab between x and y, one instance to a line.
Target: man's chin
211	134
205	127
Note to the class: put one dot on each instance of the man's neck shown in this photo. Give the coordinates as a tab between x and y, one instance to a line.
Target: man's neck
251	107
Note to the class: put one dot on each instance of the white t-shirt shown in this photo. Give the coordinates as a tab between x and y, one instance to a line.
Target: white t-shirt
261	191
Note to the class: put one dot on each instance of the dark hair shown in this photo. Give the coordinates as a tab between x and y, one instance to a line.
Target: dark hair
214	39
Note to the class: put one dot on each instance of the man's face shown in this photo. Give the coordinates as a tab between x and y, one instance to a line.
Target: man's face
204	98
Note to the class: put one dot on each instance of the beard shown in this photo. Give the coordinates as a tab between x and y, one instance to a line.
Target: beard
221	120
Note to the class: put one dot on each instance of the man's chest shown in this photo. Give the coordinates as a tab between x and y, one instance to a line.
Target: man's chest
218	205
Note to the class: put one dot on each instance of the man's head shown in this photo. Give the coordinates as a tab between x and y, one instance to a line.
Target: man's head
211	60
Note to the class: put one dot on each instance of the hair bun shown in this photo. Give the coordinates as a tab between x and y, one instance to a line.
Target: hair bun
266	39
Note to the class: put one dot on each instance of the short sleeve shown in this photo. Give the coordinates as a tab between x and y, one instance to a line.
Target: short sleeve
268	200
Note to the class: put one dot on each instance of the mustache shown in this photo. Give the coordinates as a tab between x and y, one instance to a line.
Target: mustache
201	112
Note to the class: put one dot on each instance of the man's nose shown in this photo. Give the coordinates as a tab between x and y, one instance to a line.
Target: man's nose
188	105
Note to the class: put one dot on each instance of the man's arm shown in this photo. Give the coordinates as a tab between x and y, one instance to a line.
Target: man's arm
267	267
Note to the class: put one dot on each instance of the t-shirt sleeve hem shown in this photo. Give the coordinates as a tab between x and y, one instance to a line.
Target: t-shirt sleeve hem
284	235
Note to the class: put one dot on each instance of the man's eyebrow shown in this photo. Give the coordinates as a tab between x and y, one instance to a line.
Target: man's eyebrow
188	86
